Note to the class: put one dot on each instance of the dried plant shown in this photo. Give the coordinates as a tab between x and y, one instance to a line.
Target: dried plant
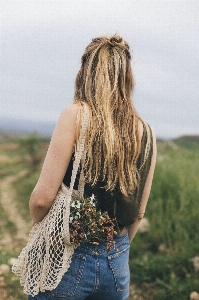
87	224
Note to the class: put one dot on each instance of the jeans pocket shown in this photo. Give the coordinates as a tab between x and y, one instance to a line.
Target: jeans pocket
70	279
118	263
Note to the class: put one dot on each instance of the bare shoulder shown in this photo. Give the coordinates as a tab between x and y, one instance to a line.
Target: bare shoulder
66	124
68	117
69	112
154	144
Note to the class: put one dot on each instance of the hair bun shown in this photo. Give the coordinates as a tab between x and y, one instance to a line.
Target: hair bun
115	40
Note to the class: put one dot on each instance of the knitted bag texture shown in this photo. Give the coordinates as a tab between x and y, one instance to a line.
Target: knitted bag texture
47	255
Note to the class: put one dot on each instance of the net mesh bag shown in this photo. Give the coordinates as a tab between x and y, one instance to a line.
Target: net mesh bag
47	256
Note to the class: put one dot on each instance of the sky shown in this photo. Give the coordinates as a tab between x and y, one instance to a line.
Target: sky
42	42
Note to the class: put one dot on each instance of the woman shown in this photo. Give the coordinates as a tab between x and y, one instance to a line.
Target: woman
119	167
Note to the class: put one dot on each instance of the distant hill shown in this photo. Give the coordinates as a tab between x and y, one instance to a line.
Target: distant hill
23	127
187	141
10	126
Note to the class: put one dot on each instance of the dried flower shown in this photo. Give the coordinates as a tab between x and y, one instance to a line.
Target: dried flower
195	261
4	269
194	296
87	224
144	225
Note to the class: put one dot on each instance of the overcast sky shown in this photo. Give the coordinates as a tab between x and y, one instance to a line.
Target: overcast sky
42	42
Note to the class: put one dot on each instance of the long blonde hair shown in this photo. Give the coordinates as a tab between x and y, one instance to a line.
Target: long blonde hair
105	82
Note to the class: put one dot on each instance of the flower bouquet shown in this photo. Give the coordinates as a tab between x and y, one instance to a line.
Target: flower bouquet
87	224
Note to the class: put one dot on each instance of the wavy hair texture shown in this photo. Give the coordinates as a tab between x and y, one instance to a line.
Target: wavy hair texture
105	82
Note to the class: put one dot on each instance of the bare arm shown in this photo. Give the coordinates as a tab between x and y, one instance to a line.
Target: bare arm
132	229
55	164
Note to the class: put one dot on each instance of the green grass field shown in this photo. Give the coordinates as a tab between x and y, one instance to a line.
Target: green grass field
163	260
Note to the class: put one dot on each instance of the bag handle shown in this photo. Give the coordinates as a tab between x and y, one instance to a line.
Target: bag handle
79	153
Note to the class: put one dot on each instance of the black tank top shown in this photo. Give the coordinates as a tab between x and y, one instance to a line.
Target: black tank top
124	209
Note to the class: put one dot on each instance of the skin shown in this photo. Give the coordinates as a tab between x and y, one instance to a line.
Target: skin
56	163
132	229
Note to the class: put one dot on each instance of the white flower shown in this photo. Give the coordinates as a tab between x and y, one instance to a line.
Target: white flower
194	296
92	197
78	214
195	261
4	269
71	219
72	204
144	225
12	260
162	248
77	204
92	200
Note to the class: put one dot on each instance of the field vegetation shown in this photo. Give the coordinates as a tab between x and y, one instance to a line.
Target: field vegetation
164	256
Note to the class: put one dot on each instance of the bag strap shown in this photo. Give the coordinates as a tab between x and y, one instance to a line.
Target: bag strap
79	154
81	178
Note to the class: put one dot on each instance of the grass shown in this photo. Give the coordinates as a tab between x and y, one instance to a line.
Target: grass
160	259
12	288
12	284
24	186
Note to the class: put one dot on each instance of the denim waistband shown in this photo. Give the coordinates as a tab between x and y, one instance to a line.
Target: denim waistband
101	248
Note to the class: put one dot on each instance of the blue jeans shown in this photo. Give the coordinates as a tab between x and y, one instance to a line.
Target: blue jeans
95	274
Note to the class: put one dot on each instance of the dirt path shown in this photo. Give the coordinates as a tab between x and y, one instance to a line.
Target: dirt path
9	205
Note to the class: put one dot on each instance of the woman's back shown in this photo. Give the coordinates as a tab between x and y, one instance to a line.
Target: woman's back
105	83
124	209
120	154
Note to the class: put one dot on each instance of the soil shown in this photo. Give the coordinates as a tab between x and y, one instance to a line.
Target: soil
9	205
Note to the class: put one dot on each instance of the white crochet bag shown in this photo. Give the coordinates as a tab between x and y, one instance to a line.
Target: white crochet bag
47	256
